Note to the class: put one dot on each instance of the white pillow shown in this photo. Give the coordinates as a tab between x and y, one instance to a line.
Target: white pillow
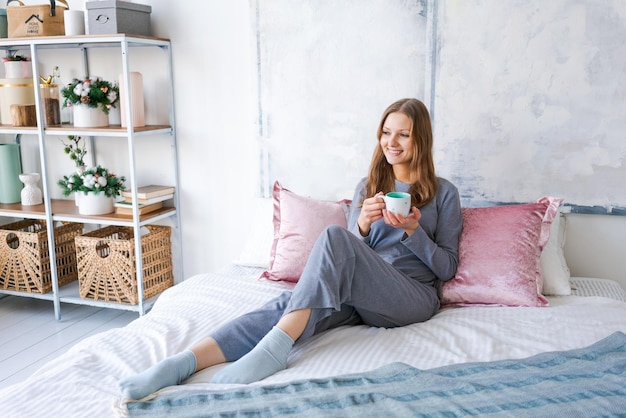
556	274
258	243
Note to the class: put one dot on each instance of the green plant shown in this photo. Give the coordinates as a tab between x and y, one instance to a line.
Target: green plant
91	92
97	180
76	149
15	58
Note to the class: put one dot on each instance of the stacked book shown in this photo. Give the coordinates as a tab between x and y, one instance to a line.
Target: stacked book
149	199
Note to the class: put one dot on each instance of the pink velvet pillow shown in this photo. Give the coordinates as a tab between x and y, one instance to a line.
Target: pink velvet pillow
499	255
298	222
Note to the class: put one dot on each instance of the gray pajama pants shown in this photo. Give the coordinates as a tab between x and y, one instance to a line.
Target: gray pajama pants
344	283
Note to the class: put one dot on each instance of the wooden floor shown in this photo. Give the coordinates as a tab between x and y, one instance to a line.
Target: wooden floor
30	336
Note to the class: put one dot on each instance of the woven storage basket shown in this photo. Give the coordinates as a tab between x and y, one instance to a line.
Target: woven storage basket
25	260
106	263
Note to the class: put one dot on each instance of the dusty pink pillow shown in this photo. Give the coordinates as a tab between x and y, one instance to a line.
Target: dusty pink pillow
298	221
499	255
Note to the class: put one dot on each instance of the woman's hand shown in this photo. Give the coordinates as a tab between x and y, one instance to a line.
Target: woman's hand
409	223
371	211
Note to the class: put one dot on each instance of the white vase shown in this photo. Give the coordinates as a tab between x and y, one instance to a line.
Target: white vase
95	204
89	117
18	69
31	193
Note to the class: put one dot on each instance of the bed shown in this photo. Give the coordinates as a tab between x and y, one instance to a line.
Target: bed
357	370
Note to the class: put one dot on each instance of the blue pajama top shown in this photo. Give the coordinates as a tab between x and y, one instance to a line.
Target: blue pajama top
432	251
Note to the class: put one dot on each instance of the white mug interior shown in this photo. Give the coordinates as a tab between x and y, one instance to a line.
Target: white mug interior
398	202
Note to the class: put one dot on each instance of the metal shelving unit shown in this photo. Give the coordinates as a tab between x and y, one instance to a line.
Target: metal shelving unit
57	210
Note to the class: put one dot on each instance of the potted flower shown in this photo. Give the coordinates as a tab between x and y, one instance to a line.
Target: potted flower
96	187
91	100
17	66
15	57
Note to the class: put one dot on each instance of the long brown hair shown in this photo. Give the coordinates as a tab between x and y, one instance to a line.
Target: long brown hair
381	177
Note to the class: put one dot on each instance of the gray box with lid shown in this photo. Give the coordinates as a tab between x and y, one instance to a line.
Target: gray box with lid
110	16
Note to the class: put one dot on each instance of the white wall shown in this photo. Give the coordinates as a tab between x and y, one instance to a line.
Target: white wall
213	52
595	246
327	71
215	97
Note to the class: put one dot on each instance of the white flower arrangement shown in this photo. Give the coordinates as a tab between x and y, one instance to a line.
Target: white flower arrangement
91	92
96	180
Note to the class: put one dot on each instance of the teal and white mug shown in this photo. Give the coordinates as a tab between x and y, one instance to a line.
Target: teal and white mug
398	202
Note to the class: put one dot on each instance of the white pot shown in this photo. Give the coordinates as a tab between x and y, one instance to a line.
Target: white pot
18	69
89	117
79	170
115	117
95	204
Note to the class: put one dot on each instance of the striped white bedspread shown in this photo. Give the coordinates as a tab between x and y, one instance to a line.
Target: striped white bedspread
83	382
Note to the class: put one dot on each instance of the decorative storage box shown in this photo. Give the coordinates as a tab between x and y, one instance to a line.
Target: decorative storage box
106	263
110	16
25	260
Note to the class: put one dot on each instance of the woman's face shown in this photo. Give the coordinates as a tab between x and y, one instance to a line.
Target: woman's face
396	141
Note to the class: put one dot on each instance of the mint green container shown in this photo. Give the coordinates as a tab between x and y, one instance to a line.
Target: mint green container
10	169
3	23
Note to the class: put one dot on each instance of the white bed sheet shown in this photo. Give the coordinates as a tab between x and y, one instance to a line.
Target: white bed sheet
83	382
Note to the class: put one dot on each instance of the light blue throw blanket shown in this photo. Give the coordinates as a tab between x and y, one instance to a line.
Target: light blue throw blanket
585	382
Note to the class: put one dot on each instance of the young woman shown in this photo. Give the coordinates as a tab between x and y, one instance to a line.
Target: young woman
382	272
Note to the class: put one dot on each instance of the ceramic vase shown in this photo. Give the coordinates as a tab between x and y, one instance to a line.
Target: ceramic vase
10	169
95	204
89	117
18	69
31	193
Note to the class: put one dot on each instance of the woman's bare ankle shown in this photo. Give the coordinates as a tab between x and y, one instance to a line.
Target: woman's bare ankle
208	353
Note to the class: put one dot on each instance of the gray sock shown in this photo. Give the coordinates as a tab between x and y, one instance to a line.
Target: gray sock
268	357
171	371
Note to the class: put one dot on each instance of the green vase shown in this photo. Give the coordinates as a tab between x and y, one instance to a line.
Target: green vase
10	169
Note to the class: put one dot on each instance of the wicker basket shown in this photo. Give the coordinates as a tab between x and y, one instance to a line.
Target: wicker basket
25	260
106	263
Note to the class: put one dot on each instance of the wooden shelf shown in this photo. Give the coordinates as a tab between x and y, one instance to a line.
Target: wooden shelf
20	210
111	130
79	41
66	210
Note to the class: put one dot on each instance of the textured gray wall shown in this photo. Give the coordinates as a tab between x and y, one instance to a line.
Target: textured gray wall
529	99
327	71
527	96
